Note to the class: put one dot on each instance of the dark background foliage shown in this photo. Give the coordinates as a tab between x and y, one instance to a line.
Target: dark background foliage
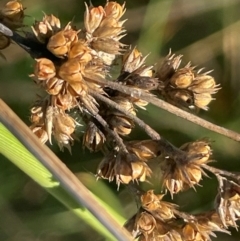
205	32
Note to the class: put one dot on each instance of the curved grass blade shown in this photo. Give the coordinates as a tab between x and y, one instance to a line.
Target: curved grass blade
46	169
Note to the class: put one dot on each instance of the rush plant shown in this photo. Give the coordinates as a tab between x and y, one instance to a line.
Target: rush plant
74	66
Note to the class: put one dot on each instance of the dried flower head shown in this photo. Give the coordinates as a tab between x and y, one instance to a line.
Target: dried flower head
124	167
228	203
44	29
12	14
183	170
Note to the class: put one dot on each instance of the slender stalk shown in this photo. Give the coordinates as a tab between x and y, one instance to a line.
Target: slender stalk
67	179
217	172
137	93
151	132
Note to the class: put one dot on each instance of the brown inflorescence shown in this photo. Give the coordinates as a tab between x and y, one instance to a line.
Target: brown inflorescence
12	15
185	87
76	76
183	170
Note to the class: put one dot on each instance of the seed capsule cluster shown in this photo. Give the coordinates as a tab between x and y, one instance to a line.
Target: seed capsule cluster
185	87
11	14
157	220
184	170
76	77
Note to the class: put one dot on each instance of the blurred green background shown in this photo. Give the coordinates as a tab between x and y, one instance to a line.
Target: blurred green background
205	32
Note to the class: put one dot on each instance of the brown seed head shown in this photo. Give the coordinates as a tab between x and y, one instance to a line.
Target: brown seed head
12	14
71	71
124	167
81	51
198	151
44	69
59	43
44	29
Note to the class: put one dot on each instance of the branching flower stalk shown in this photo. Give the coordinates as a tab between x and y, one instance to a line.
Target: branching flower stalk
74	67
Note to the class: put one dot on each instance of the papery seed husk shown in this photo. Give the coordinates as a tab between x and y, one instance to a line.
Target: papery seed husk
202	100
93	17
59	44
114	10
44	69
81	51
54	85
168	67
204	82
12	9
71	71
182	78
107	45
40	133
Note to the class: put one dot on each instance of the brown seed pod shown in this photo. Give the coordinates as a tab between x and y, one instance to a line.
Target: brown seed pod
182	78
115	10
109	28
145	223
168	67
59	43
120	166
81	51
121	124
144	150
64	101
93	137
180	97
44	69
203	82
93	17
71	71
198	151
54	85
44	29
202	100
12	14
64	126
107	45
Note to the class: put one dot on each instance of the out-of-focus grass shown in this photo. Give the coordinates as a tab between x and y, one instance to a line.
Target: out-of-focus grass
205	32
